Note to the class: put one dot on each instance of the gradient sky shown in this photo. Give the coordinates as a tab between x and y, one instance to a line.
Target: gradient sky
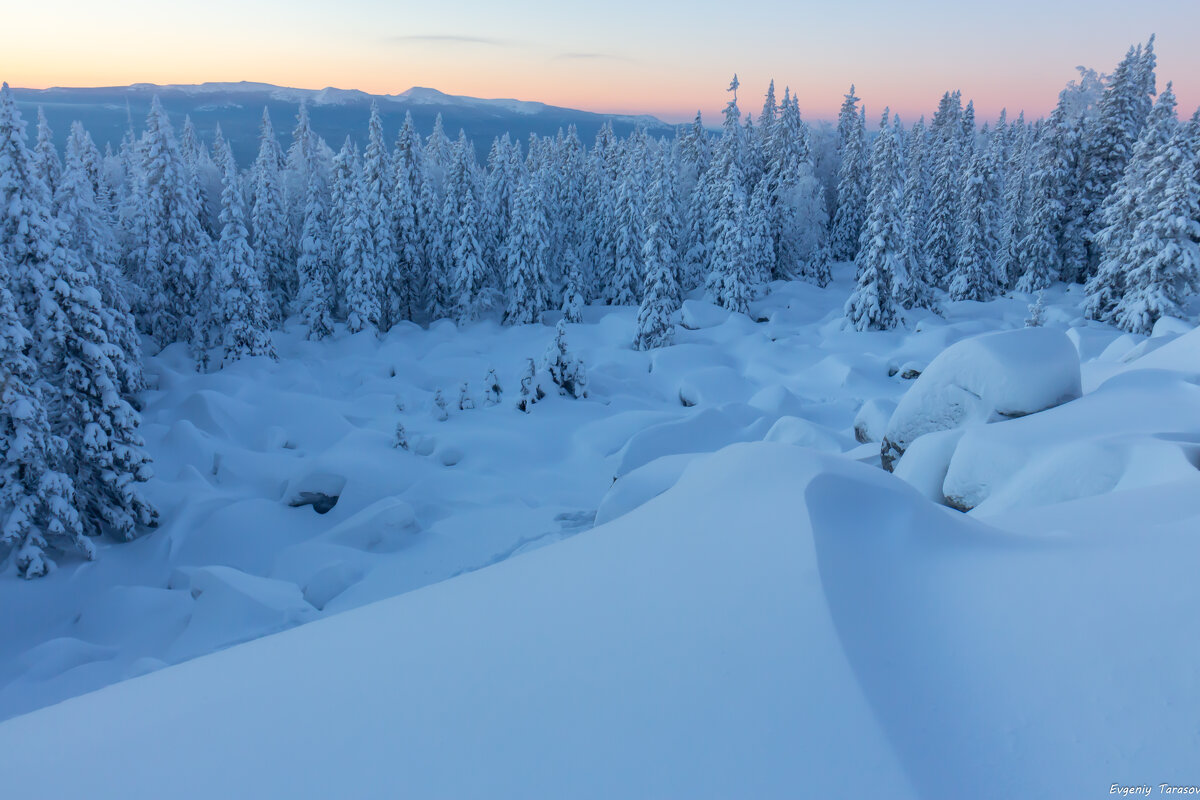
626	56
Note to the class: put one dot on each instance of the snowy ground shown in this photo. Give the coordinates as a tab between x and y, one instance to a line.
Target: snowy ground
780	617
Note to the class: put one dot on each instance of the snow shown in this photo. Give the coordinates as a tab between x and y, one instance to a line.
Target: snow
985	378
691	583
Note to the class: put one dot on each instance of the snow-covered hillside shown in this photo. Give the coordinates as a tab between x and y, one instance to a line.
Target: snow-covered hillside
781	613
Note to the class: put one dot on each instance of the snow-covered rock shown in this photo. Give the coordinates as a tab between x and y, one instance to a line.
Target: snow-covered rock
983	379
871	421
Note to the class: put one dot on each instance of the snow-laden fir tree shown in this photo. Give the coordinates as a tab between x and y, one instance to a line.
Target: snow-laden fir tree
241	318
1120	210
1039	253
37	501
566	370
465	401
491	388
314	265
268	216
852	184
527	281
660	287
1015	204
871	305
406	285
1164	265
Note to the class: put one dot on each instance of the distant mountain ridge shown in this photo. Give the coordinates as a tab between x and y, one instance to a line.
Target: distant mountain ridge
335	113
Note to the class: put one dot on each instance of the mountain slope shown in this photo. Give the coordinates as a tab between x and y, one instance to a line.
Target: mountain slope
335	113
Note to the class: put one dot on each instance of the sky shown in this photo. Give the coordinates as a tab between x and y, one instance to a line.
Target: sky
669	59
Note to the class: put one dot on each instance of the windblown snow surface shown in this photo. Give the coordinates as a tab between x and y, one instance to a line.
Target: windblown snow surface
759	611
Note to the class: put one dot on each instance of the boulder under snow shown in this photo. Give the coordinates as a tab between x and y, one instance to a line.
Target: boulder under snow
984	379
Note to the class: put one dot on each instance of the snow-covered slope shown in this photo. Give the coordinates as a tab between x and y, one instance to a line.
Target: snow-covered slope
778	622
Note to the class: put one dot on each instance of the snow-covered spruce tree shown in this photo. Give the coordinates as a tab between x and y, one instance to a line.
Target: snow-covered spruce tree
912	287
729	282
357	280
465	401
377	206
173	253
469	271
798	216
1109	143
851	210
566	371
1039	253
491	388
573	291
1014	219
624	285
104	458
1165	252
1120	210
269	219
241	318
406	290
660	287
1037	311
86	230
400	437
760	233
527	281
531	390
26	227
37	501
45	156
315	265
945	167
974	275
871	306
439	407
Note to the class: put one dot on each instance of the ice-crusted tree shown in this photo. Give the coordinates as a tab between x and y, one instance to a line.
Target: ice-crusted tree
268	216
872	306
851	210
1120	212
527	281
660	287
241	318
314	265
37	500
566	370
1164	266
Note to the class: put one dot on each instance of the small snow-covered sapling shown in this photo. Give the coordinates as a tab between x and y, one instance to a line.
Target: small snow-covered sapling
439	407
465	400
401	438
492	390
531	392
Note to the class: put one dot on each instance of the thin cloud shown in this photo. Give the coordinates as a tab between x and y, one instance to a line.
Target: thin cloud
592	57
431	38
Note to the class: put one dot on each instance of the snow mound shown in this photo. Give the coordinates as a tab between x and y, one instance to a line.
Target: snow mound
803	433
983	379
1137	429
700	314
641	485
705	430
